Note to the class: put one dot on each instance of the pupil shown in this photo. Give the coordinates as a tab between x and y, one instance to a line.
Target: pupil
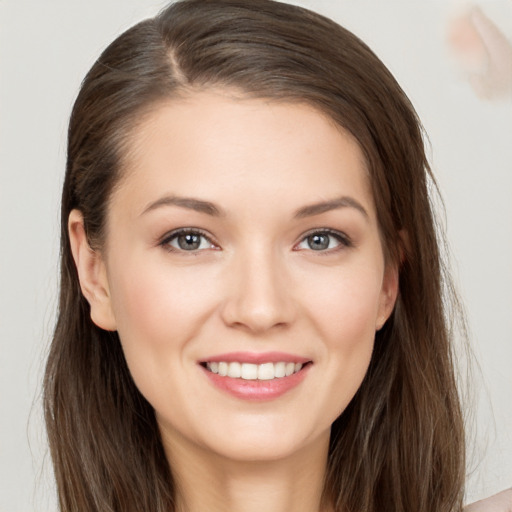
189	242
318	242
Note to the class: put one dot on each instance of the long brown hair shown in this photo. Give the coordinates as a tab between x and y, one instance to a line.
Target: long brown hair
399	444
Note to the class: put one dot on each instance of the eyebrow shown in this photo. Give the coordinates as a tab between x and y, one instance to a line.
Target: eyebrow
191	203
209	208
332	204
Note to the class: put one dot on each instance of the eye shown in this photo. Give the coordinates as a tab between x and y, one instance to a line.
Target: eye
188	240
324	240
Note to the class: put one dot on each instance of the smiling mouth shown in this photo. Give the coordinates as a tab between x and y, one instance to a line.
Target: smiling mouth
250	371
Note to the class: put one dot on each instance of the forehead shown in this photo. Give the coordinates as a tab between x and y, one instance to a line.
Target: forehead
220	145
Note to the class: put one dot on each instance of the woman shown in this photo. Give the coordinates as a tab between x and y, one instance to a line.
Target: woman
252	313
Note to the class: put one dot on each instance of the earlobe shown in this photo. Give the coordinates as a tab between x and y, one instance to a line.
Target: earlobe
91	273
389	294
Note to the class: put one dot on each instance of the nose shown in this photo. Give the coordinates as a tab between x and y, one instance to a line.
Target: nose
259	295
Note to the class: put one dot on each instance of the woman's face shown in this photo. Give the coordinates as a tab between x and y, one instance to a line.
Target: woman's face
243	238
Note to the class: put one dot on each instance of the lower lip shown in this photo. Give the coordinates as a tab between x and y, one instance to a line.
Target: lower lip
257	390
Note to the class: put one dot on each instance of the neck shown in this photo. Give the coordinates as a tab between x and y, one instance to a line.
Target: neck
211	482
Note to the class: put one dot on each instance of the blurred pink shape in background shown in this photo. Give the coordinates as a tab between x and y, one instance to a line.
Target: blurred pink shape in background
483	53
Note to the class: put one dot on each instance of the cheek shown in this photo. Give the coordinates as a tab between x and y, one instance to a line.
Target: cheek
345	313
350	334
151	297
157	310
346	306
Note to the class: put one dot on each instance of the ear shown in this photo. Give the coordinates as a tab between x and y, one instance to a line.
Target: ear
389	294
92	273
391	282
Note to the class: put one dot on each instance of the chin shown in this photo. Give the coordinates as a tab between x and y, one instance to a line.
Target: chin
266	441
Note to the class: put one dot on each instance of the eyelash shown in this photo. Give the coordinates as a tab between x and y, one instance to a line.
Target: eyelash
342	238
182	232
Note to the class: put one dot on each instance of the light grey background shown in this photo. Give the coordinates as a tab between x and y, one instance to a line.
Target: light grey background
46	48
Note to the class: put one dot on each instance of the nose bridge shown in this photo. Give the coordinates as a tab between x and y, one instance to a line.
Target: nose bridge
259	296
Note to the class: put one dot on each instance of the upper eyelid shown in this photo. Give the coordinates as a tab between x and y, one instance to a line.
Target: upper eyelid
328	231
176	232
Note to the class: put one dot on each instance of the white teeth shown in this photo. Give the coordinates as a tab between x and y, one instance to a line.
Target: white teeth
234	370
223	369
266	371
279	370
249	371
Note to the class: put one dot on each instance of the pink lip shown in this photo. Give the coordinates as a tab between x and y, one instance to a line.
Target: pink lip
256	390
256	358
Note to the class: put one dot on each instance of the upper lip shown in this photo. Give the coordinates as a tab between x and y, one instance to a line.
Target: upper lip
256	358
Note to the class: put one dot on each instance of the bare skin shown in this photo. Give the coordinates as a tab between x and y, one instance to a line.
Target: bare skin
501	502
250	486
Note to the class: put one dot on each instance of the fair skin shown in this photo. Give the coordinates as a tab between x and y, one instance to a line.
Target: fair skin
281	253
284	256
501	502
